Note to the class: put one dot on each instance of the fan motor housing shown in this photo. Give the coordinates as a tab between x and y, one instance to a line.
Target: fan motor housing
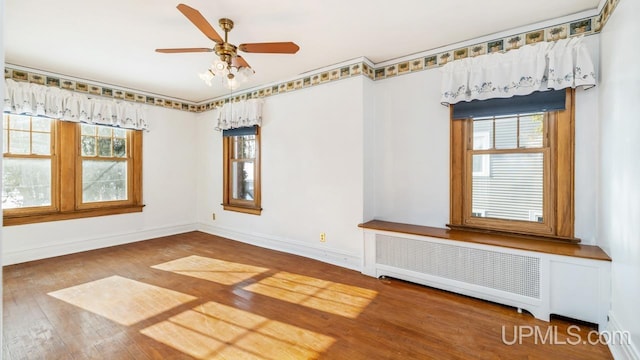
225	50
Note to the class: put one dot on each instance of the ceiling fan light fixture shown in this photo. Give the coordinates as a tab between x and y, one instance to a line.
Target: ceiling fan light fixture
229	64
207	76
219	66
232	73
231	83
243	74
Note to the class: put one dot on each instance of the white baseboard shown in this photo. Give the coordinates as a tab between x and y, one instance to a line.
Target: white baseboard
624	351
330	256
58	249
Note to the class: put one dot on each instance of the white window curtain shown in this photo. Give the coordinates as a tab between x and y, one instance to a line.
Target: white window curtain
239	114
537	67
39	100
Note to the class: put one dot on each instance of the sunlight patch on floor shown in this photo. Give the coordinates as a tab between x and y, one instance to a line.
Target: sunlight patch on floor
219	271
122	300
335	298
217	331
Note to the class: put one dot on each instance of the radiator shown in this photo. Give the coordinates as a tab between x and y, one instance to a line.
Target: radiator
511	273
543	284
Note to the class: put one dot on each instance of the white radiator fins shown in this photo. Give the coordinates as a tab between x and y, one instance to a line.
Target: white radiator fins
515	274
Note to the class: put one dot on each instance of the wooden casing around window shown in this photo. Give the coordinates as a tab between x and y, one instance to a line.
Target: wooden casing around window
134	178
67	179
55	181
558	199
228	202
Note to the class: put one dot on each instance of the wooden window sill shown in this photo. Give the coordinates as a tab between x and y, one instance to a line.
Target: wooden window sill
23	219
242	209
502	240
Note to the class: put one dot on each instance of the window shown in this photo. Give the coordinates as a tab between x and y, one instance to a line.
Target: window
57	170
518	169
104	164
28	164
241	152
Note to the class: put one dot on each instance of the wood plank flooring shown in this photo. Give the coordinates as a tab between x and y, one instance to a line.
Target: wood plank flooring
198	296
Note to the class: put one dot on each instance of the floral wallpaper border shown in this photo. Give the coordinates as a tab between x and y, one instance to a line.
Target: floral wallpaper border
585	26
349	70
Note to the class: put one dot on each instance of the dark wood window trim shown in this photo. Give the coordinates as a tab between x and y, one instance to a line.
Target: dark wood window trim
559	183
238	205
67	182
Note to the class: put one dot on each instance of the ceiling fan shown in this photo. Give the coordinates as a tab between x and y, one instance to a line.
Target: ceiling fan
230	64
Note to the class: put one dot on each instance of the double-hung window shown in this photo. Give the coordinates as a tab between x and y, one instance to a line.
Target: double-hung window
241	155
29	164
57	170
104	165
512	166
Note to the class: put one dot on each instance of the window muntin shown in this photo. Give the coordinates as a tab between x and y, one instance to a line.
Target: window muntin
242	173
28	171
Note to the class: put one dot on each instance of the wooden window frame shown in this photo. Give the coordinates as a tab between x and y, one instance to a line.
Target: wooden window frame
80	204
558	199
67	182
28	211
238	205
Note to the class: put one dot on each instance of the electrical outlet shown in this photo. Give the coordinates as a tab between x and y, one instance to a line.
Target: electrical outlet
323	237
213	216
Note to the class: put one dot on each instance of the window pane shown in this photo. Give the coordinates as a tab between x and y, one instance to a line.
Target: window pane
19	142
19	122
88	129
104	131
104	180
104	146
514	189
41	143
119	147
531	131
481	165
26	183
40	124
88	146
242	180
482	131
121	133
506	133
244	147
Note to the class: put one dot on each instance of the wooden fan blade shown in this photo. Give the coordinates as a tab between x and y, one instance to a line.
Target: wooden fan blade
238	61
183	50
272	48
200	22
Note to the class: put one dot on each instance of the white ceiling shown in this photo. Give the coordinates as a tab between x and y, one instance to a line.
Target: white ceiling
113	41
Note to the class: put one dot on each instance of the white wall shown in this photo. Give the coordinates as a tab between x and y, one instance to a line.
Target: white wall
312	175
169	194
619	191
369	152
412	151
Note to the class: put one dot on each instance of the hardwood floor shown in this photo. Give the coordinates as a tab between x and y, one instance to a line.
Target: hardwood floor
199	296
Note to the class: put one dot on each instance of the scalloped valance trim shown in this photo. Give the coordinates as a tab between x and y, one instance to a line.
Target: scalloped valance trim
234	115
53	102
538	67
